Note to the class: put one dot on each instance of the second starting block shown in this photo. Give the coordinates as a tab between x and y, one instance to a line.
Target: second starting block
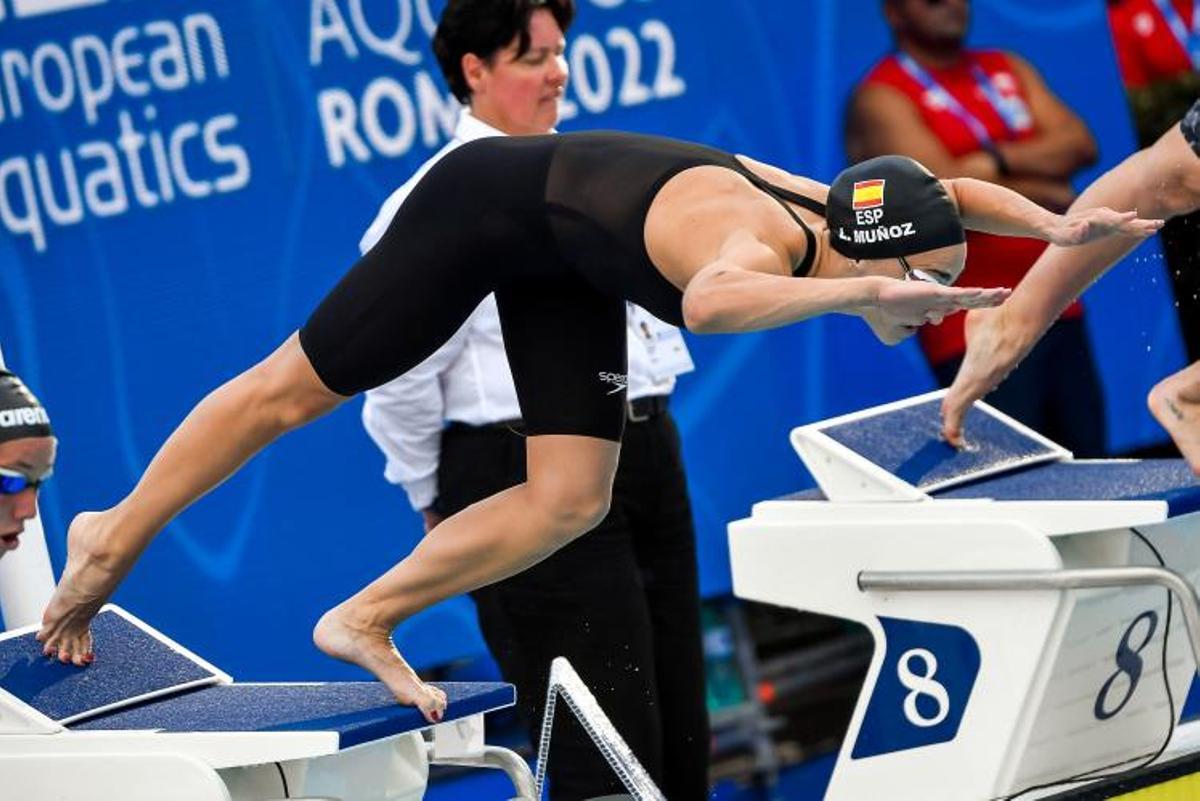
1019	607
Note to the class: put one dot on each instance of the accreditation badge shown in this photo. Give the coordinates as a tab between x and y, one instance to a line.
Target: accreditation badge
665	349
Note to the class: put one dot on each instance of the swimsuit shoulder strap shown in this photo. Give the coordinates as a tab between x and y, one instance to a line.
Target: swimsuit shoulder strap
782	194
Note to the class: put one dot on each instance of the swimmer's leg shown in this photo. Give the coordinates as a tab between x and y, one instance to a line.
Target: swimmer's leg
1175	403
230	425
567	492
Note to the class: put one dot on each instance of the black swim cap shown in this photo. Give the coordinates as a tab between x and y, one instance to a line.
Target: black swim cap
21	414
890	206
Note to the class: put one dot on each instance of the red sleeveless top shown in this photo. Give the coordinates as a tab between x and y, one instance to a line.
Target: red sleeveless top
991	260
1146	48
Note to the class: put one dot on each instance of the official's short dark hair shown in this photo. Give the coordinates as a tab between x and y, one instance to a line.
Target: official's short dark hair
484	27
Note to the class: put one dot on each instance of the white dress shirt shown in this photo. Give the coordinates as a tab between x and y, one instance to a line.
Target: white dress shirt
467	380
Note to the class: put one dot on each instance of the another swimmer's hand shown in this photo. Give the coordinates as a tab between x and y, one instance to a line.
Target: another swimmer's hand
919	302
992	353
1088	225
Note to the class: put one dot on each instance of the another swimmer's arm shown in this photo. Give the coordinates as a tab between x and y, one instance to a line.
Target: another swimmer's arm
1161	181
993	209
1149	181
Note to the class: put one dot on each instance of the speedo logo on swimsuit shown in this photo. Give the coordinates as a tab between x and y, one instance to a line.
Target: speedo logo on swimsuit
881	234
24	416
867	194
618	381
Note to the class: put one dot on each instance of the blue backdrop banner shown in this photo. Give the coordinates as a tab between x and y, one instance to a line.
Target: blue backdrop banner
182	180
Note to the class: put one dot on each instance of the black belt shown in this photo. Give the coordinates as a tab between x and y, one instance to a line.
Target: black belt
638	410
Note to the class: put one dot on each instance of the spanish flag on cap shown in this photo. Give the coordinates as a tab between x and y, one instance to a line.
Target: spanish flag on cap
867	194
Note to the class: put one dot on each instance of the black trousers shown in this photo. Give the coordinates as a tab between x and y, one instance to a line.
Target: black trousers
621	603
1055	390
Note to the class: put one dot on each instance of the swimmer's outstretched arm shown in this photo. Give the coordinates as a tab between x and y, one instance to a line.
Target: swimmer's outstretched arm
225	429
747	289
994	209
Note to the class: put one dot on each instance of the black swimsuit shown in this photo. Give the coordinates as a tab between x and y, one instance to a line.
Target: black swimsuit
554	225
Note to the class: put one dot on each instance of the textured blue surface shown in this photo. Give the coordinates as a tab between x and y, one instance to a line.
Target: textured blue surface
129	664
358	711
1167	480
907	443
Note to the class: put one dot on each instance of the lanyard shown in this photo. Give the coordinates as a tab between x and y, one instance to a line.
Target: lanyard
1189	40
1002	106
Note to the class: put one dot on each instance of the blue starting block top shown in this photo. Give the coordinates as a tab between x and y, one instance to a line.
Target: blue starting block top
1003	460
132	665
1169	480
359	712
143	681
907	443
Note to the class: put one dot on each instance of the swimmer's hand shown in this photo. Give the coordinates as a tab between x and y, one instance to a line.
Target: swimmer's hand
1088	225
993	351
918	302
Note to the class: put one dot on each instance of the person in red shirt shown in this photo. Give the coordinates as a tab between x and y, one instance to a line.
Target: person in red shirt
986	114
1157	43
1154	39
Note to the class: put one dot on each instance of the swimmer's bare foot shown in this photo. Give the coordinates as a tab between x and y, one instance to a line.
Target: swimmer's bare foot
345	634
1175	404
89	578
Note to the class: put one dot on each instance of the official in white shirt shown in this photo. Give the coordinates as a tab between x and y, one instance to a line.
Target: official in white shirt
621	602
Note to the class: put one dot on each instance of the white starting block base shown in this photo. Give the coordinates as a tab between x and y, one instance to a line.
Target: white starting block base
977	692
132	769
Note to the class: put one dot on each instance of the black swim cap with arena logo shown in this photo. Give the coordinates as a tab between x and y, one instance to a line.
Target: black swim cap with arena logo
21	414
890	206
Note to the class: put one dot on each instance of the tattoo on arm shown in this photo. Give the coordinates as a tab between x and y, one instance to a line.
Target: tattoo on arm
1174	409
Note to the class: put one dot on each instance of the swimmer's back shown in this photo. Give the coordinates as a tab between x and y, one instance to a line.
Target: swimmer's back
577	200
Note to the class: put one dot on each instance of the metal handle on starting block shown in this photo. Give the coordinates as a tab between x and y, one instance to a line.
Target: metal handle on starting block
1080	579
499	758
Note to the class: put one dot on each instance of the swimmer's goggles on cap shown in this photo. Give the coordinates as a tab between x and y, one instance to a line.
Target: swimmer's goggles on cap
914	274
12	482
